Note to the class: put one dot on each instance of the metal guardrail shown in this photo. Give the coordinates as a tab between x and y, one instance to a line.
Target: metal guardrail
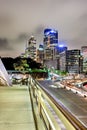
55	116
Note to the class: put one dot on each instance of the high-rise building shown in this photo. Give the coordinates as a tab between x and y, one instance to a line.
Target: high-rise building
50	41
84	55
31	48
41	47
40	54
62	61
61	48
71	61
50	37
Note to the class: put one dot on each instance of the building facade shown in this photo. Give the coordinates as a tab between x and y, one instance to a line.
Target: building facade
62	61
71	61
84	55
50	41
31	48
40	54
50	37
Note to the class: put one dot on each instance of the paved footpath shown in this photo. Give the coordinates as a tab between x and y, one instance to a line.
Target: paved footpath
15	109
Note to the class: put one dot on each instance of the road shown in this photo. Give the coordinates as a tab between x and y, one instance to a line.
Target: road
75	103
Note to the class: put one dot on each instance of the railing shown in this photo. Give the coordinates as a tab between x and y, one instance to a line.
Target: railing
54	115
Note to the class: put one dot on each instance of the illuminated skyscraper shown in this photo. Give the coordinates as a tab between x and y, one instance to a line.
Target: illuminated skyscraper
50	42
71	61
50	37
40	54
84	55
31	48
61	48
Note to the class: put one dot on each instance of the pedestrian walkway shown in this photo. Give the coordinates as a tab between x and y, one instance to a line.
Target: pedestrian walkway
15	109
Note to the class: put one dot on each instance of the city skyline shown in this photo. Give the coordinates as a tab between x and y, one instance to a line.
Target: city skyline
20	19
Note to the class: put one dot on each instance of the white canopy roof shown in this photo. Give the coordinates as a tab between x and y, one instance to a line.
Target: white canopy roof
4	77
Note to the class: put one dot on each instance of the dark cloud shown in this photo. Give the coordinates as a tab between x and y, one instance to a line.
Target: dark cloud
37	32
5	19
60	1
39	29
83	20
19	19
83	16
4	44
22	37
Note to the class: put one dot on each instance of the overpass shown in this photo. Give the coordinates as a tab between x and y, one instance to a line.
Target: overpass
36	107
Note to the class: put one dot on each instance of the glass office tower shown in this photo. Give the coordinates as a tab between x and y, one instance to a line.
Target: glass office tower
50	37
84	55
50	42
31	48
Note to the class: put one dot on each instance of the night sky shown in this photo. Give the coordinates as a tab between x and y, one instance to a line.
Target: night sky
19	19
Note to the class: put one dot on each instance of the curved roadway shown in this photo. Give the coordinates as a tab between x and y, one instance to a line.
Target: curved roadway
75	103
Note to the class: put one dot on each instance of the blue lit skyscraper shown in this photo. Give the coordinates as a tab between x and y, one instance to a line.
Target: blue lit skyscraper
50	37
41	47
50	42
61	48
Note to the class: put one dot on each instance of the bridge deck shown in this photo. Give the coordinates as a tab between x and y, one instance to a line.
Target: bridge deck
15	109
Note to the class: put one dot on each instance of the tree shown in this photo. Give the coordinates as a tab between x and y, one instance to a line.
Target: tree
21	65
